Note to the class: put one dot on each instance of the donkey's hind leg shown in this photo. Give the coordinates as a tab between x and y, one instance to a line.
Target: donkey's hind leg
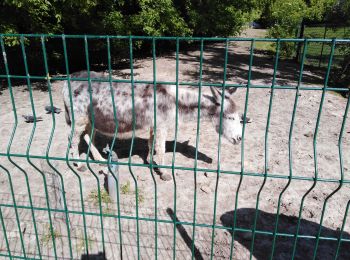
159	149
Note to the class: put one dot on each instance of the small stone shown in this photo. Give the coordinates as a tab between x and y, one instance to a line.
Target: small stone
328	157
205	188
165	177
139	178
309	134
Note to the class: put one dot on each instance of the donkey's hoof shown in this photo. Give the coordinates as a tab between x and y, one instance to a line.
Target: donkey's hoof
165	177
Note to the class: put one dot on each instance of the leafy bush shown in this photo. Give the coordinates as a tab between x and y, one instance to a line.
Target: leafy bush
286	16
137	17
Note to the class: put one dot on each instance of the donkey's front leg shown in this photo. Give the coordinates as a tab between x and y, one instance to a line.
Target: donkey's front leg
159	150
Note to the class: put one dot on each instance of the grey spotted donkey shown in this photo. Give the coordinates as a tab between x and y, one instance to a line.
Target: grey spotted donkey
144	111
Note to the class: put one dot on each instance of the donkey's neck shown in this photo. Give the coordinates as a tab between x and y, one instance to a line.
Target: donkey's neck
188	103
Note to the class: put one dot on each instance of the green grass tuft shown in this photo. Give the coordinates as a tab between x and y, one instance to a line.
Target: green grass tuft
47	237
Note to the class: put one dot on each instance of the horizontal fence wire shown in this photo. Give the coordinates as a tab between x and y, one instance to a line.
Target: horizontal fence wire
154	166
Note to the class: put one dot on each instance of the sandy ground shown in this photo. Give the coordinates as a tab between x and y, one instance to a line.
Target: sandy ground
179	194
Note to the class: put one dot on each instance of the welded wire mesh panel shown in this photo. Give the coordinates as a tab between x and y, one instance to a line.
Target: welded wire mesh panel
171	147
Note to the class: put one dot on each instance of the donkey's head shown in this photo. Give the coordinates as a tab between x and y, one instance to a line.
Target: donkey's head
231	127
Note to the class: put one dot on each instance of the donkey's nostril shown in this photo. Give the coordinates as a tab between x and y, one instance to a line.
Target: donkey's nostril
239	138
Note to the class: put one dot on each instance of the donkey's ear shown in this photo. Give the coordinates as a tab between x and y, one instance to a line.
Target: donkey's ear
216	94
231	90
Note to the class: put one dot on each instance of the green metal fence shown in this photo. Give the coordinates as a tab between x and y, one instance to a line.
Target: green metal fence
47	241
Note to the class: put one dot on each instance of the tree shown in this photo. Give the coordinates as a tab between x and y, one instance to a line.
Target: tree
285	17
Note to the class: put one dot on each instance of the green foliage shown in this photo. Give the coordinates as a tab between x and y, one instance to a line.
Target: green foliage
158	18
139	17
101	17
94	198
47	236
216	17
125	188
340	13
286	16
318	9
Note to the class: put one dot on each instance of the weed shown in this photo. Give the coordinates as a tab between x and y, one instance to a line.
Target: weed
125	188
48	236
81	243
105	198
141	197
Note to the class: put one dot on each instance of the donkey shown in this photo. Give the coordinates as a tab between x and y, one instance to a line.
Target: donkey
103	114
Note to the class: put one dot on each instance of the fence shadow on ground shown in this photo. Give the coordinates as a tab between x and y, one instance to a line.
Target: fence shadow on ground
184	235
284	245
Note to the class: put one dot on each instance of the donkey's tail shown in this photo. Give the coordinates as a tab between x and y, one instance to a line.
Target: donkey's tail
65	94
68	121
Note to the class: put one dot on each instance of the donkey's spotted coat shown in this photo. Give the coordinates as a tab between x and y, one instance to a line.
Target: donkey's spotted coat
99	107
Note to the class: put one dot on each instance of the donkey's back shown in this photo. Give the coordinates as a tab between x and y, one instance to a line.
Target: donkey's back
98	108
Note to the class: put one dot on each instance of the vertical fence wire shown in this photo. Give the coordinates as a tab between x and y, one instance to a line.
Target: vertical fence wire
153	143
196	152
132	145
49	146
115	135
303	198
71	105
340	151
290	158
51	226
15	209
341	162
13	104
175	141
252	44
87	161
342	230
5	234
219	147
